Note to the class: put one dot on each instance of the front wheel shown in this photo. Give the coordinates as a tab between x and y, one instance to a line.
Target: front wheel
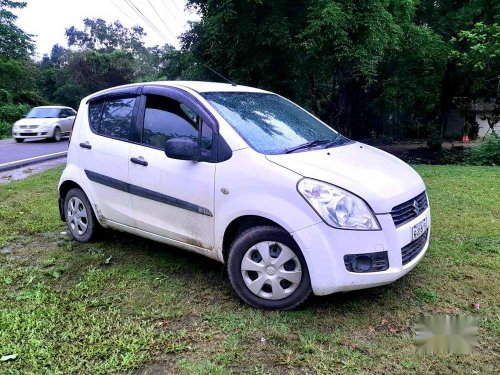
79	216
19	140
267	269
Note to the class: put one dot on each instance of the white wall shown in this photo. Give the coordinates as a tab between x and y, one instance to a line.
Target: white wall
483	127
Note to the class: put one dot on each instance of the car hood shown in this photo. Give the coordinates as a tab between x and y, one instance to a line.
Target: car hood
381	179
36	121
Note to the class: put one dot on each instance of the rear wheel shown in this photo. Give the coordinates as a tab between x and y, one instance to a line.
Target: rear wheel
267	269
57	134
79	216
19	140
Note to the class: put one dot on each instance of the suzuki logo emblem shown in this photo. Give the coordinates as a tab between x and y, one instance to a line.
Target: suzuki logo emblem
416	207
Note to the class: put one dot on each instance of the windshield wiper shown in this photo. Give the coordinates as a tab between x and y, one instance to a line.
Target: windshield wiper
307	145
339	141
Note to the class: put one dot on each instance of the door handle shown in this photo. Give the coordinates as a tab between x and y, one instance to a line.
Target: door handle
139	161
85	145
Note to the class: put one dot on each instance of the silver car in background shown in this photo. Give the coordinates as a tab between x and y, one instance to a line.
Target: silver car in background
52	122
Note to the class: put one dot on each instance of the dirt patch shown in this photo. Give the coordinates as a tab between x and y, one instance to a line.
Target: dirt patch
26	171
163	366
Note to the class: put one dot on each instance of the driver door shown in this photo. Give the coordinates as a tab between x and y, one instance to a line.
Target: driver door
172	198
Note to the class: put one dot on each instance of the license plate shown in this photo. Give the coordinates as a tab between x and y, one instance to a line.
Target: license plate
419	229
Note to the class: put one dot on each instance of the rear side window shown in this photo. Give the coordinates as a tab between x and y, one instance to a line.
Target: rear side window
95	115
112	118
117	118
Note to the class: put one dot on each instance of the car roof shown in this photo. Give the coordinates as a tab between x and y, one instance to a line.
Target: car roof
198	86
53	107
201	86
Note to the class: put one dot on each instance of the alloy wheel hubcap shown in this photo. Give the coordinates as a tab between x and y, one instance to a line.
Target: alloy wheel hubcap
77	216
271	270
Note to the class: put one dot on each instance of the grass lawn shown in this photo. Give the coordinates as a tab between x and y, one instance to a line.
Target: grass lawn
130	305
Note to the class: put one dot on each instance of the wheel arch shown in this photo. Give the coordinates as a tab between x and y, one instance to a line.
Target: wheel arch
239	225
64	187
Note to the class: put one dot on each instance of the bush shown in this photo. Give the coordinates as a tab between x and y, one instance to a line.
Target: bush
5	129
486	153
11	112
435	142
31	98
5	97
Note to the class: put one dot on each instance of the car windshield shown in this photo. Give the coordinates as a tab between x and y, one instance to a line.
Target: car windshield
271	124
44	113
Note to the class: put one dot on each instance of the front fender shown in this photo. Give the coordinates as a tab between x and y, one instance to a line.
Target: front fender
262	189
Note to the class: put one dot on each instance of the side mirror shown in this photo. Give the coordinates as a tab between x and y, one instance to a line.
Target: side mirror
183	149
63	116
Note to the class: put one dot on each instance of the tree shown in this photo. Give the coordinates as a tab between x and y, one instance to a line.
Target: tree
14	42
17	71
477	57
99	35
356	64
102	55
477	54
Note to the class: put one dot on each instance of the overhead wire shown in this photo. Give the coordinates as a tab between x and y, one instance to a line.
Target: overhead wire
175	5
161	19
137	11
123	12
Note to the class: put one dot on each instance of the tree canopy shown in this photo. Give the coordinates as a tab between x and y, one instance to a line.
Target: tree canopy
384	67
14	42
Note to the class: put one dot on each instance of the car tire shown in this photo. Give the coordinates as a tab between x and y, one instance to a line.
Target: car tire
277	291
79	216
19	140
57	136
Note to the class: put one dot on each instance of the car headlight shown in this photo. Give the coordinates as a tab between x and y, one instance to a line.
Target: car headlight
338	207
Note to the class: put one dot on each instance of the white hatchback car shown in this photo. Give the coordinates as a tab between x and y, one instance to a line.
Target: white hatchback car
52	122
248	178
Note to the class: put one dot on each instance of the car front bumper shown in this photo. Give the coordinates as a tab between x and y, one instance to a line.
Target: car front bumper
324	249
23	134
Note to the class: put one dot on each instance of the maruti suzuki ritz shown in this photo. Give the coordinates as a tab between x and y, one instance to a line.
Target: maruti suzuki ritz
248	178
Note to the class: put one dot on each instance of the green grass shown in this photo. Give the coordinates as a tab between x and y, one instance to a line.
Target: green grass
65	309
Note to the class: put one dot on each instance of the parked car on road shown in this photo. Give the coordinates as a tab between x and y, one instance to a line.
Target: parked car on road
52	122
248	178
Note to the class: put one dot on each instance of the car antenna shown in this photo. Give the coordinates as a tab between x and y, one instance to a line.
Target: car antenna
220	75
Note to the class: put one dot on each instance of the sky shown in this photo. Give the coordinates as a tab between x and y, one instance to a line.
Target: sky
47	20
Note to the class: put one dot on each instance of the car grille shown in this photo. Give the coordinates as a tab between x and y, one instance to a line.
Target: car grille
28	134
410	251
407	211
28	126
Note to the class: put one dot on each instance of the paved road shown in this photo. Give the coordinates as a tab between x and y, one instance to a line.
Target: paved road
12	151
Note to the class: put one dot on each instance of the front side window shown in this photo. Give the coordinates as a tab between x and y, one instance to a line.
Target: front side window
166	118
117	117
269	123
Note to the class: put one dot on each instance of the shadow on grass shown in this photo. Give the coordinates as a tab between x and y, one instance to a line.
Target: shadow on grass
206	273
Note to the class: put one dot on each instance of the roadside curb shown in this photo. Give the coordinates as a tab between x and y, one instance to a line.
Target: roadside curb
25	162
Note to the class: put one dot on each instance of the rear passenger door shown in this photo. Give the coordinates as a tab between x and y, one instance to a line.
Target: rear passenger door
173	198
104	155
